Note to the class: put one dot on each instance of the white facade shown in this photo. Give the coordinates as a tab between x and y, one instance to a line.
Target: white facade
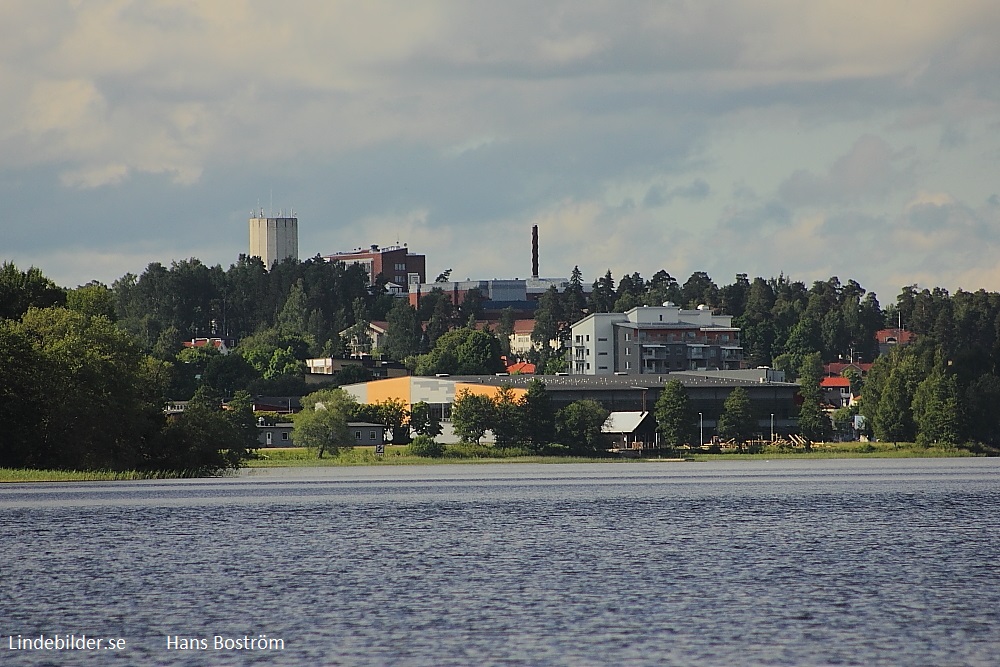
274	239
636	342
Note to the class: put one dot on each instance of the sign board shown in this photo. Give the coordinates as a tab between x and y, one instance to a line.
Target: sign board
379	450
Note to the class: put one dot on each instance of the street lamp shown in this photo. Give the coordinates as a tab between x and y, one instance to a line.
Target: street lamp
701	426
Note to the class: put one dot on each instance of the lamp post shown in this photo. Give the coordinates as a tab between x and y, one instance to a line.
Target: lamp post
701	427
772	427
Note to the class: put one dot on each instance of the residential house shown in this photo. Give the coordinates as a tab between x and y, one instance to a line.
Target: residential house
836	391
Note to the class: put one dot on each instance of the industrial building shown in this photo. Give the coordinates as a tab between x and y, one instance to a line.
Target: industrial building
773	402
396	263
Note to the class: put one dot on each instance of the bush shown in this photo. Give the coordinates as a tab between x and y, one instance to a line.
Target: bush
425	445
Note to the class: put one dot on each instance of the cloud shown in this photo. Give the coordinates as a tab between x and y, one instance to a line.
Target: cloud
870	170
686	136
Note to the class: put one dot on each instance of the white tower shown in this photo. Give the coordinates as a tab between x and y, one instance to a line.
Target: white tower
274	239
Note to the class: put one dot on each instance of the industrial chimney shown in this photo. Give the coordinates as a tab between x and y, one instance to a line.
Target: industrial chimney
534	251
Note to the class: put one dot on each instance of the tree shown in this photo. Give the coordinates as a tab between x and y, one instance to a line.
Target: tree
403	332
574	299
578	426
394	414
538	416
674	418
504	330
322	425
814	425
92	299
21	290
937	410
508	424
737	421
423	421
472	415
548	315
602	295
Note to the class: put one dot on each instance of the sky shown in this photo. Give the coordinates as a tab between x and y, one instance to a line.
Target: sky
854	139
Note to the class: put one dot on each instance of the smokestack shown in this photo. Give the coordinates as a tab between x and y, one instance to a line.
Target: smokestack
534	251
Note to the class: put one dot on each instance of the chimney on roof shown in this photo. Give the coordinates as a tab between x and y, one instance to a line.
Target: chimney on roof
534	251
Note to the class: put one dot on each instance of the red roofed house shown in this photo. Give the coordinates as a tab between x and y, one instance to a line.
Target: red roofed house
836	391
889	338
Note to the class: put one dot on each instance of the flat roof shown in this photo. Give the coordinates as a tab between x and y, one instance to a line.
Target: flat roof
644	381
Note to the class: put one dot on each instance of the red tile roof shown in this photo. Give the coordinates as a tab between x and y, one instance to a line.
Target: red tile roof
832	382
522	367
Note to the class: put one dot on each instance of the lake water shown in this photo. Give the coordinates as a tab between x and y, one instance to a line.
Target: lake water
840	562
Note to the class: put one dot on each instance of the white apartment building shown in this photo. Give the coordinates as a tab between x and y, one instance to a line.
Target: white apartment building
654	339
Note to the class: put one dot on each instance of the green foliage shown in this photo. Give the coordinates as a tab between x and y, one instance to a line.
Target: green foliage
423	421
578	426
508	419
21	290
814	425
937	410
403	332
462	351
674	418
472	415
538	424
322	424
737	421
425	445
92	299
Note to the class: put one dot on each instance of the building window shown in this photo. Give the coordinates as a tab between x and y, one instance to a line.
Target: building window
628	351
284	436
628	336
357	435
588	365
628	365
602	354
588	338
602	340
371	435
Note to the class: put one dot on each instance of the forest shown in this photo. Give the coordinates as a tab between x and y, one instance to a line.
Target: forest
99	361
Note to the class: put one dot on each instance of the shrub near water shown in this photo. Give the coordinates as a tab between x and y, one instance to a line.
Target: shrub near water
424	445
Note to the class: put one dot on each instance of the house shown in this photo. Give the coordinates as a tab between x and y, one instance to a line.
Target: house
366	433
274	435
631	431
362	343
280	434
836	391
654	340
889	338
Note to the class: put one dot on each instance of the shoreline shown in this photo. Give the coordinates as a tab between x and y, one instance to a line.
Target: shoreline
299	458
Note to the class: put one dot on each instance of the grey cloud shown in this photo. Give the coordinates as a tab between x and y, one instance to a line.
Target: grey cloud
870	170
753	219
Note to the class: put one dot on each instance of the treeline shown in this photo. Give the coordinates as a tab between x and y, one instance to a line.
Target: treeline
296	310
79	393
945	387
